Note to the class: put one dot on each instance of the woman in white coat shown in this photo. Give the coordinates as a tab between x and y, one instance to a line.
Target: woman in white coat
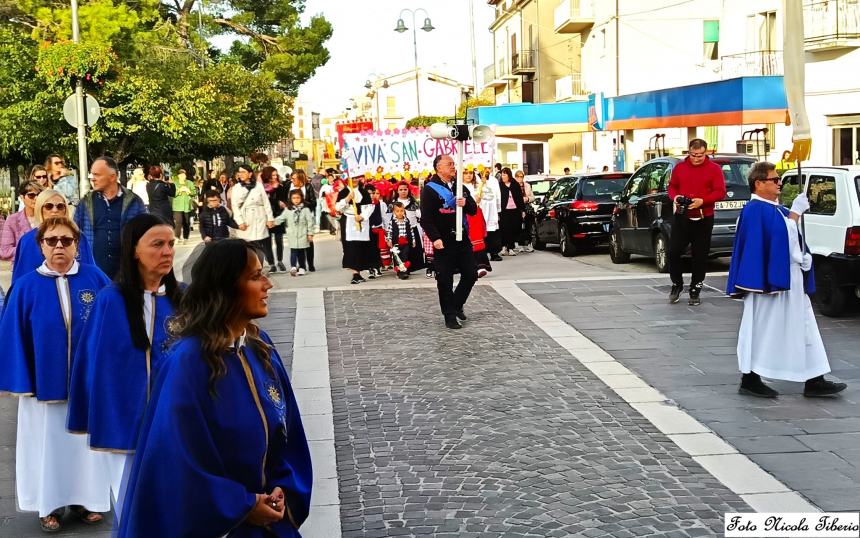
252	210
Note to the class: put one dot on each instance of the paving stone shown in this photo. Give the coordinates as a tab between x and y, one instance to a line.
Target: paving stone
498	425
688	354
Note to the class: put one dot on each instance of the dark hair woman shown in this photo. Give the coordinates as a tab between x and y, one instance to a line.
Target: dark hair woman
123	344
300	182
511	215
41	328
253	212
279	199
160	191
222	449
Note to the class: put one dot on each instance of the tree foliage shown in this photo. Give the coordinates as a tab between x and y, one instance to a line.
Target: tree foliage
425	121
166	93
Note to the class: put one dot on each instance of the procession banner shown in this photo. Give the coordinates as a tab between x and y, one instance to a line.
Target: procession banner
407	153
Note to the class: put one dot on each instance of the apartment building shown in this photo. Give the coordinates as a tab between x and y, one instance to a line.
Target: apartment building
675	69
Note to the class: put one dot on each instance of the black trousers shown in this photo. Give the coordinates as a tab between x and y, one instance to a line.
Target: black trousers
181	224
510	226
264	250
696	233
309	254
278	239
494	242
455	256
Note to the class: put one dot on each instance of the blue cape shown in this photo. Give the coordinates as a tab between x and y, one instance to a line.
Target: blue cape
201	459
28	255
110	379
761	261
36	347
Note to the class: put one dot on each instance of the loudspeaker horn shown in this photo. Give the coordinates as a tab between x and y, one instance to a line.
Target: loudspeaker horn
481	133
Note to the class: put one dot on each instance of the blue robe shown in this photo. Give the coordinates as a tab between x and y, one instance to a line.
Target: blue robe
111	378
761	260
28	255
37	345
201	459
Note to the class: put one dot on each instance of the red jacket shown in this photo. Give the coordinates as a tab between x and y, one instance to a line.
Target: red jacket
705	181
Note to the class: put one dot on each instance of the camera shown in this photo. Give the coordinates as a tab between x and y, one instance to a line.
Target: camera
683	203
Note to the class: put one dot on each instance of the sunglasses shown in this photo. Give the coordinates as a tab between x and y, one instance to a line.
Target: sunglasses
41	176
59	163
777	180
32	195
50	207
64	240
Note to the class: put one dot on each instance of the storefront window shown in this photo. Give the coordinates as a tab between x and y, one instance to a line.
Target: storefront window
846	146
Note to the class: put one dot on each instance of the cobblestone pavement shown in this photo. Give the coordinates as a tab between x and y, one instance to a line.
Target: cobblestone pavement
279	325
494	430
689	354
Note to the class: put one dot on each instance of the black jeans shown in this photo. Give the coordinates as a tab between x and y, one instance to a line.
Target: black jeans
455	256
278	239
181	224
690	232
309	254
264	250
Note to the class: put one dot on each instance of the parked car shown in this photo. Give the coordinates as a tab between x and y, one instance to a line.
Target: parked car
831	229
577	211
540	185
642	221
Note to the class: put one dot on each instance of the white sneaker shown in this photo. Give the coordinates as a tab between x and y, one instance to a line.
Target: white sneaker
512	252
301	271
504	252
293	271
529	248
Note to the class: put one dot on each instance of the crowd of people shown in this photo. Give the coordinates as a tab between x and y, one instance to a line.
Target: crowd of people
133	387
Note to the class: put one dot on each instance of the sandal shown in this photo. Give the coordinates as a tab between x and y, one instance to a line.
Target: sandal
90	518
51	522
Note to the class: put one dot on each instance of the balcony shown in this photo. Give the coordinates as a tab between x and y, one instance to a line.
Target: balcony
574	16
751	64
570	88
831	24
491	77
523	62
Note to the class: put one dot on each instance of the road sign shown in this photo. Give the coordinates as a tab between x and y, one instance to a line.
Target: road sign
93	110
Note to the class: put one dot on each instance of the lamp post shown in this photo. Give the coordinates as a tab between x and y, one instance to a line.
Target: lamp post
83	167
428	27
374	93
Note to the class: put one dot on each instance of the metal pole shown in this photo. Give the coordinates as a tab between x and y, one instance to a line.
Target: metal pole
459	210
83	167
474	59
415	50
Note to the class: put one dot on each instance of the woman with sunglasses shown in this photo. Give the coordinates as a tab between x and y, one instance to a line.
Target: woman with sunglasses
40	175
222	450
28	255
18	224
40	329
124	344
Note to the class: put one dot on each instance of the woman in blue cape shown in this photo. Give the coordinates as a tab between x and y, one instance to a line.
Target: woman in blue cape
40	330
123	345
28	254
222	450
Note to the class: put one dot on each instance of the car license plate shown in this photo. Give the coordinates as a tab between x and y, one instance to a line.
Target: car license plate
730	204
606	227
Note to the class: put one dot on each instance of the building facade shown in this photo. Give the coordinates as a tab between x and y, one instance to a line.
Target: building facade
636	52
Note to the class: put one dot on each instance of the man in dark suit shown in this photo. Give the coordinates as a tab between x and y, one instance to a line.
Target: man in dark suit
438	218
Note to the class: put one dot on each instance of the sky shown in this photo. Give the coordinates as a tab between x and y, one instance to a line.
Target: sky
364	42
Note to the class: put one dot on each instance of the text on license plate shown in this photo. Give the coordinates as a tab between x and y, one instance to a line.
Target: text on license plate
730	204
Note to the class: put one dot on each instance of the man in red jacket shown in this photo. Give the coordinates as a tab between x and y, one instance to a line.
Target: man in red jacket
697	184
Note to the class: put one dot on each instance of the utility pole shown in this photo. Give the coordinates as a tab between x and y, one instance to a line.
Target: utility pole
474	59
83	166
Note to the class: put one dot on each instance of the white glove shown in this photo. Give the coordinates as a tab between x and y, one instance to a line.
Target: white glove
806	264
800	205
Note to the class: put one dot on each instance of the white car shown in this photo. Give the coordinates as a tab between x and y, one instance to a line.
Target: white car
832	231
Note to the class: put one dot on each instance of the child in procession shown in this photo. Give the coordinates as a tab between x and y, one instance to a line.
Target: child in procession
300	226
399	235
215	221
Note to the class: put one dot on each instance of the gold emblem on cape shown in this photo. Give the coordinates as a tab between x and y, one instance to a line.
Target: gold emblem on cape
274	395
172	325
87	297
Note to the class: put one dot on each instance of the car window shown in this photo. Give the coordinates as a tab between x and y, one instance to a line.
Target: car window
790	189
655	181
857	186
558	189
541	187
600	190
740	178
569	191
635	184
822	195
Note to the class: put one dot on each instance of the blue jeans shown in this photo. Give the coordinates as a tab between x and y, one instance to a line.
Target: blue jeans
297	257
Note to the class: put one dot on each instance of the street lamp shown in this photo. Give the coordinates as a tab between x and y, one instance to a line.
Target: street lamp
428	27
374	92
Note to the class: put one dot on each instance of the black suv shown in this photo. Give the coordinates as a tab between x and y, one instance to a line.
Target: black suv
642	220
577	211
